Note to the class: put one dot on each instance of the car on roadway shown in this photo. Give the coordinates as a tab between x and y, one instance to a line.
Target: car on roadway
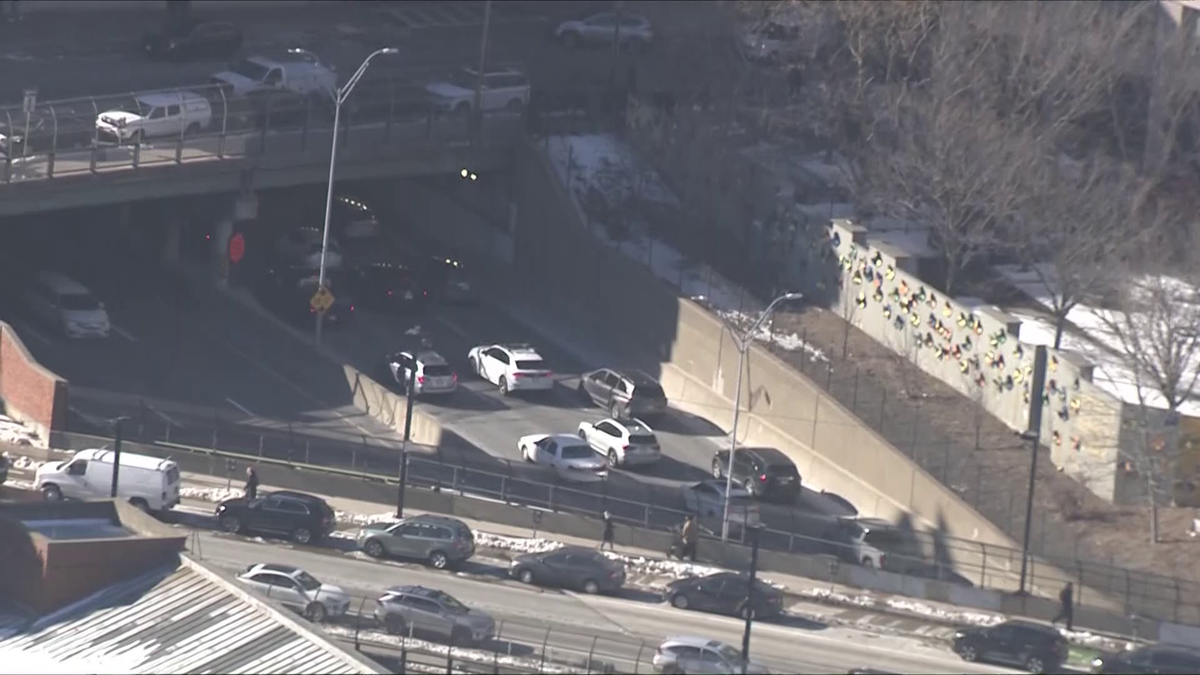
388	286
1036	647
624	392
301	517
67	126
302	246
300	74
511	367
628	443
446	278
770	42
503	89
630	31
684	655
295	588
569	455
60	301
442	542
418	610
209	39
706	499
433	374
872	542
1150	660
575	567
767	473
171	115
725	593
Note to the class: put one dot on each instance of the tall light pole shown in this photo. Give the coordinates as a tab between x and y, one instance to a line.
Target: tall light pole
339	97
477	110
1033	434
743	342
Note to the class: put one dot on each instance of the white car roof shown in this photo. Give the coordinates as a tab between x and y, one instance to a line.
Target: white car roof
521	350
692	641
633	426
428	357
286	570
129	459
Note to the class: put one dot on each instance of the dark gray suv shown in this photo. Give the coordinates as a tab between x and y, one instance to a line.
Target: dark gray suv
624	393
416	610
441	541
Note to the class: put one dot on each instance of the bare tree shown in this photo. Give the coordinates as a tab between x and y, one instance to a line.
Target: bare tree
1157	331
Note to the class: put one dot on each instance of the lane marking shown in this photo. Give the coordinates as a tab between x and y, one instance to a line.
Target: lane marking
123	333
239	406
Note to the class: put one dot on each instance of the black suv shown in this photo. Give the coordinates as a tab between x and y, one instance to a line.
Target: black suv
766	473
1036	647
1151	660
302	518
624	393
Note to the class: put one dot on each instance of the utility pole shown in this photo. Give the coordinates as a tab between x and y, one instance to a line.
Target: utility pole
118	425
477	109
1033	434
750	597
410	382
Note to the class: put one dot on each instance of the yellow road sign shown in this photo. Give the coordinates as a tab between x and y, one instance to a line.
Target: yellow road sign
322	300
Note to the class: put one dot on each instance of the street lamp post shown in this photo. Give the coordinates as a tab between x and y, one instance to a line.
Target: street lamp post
339	96
118	432
743	343
1032	434
750	583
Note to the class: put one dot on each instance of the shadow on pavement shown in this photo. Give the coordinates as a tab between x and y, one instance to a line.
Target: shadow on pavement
639	595
687	424
671	468
799	622
466	400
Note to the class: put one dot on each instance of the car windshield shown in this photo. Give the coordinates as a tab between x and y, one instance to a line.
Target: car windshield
730	654
530	364
577	452
79	302
307	581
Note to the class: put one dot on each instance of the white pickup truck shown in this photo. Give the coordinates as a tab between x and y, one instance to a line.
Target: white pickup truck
257	73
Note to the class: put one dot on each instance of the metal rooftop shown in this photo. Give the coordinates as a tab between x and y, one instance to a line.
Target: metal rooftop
67	529
185	619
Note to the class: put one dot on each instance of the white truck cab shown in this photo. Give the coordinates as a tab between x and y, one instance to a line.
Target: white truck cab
258	73
150	483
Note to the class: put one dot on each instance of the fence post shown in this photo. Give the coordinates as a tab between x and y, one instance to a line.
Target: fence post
829	377
591	652
260	447
983	566
216	427
854	395
637	662
450	661
545	641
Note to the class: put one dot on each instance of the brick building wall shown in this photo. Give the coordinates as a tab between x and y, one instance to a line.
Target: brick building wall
29	391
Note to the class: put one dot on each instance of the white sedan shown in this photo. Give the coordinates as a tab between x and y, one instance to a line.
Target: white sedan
622	443
569	455
707	500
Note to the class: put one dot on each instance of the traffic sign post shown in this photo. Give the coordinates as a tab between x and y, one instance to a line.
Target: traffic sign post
237	248
27	106
322	300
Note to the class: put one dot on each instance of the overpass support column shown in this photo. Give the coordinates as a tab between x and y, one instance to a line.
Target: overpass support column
222	232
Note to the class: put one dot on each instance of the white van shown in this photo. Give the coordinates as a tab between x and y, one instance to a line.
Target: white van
257	73
165	115
147	482
61	301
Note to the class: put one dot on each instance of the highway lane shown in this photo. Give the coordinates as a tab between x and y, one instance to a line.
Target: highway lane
789	646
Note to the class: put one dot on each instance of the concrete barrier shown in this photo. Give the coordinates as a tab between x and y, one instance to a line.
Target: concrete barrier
29	391
388	408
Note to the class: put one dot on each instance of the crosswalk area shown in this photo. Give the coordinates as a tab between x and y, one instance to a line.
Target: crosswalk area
416	15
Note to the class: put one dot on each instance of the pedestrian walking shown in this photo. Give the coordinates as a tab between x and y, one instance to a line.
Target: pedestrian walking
609	532
795	80
251	488
689	539
1066	610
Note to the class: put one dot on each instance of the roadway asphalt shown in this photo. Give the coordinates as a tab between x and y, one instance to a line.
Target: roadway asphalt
618	624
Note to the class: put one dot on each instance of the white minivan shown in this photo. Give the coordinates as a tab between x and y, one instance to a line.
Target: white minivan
150	483
60	301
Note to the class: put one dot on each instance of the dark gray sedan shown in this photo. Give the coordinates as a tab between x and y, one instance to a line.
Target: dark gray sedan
570	567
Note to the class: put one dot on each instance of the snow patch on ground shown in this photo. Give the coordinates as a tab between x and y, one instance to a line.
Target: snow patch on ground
24	463
208	494
826	595
13	432
787	341
949	616
20	484
361	519
477	655
514	544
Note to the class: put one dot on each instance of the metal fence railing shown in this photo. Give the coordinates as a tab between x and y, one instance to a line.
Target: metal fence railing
637	506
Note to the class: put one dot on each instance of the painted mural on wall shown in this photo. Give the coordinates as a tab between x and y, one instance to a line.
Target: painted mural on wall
975	350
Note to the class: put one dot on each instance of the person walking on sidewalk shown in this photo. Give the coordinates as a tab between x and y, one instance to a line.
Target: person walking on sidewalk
1066	611
609	532
251	489
689	539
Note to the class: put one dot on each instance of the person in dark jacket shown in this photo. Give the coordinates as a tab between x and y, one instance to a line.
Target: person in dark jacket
690	536
251	489
1067	610
609	532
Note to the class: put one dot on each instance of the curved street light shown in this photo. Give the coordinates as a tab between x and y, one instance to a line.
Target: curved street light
339	96
743	343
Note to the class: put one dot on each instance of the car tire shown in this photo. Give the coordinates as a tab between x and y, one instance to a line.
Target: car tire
570	39
867	562
591	587
460	637
718	469
373	548
504	386
302	535
475	366
395	625
1034	663
613	461
315	612
526	576
438	560
231	524
52	493
140	504
968	653
680	601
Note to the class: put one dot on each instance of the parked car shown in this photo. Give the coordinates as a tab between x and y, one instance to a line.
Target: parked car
446	278
503	89
293	587
569	455
767	473
1038	648
427	611
439	540
873	542
622	443
1150	660
624	392
433	374
512	367
166	115
684	655
724	593
770	42
67	305
212	39
389	287
575	567
706	499
602	29
303	518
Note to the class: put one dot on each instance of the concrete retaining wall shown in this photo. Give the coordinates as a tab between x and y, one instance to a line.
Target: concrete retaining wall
29	391
388	407
428	208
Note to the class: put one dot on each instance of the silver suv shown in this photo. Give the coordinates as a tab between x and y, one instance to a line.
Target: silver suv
416	610
433	376
688	654
438	540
